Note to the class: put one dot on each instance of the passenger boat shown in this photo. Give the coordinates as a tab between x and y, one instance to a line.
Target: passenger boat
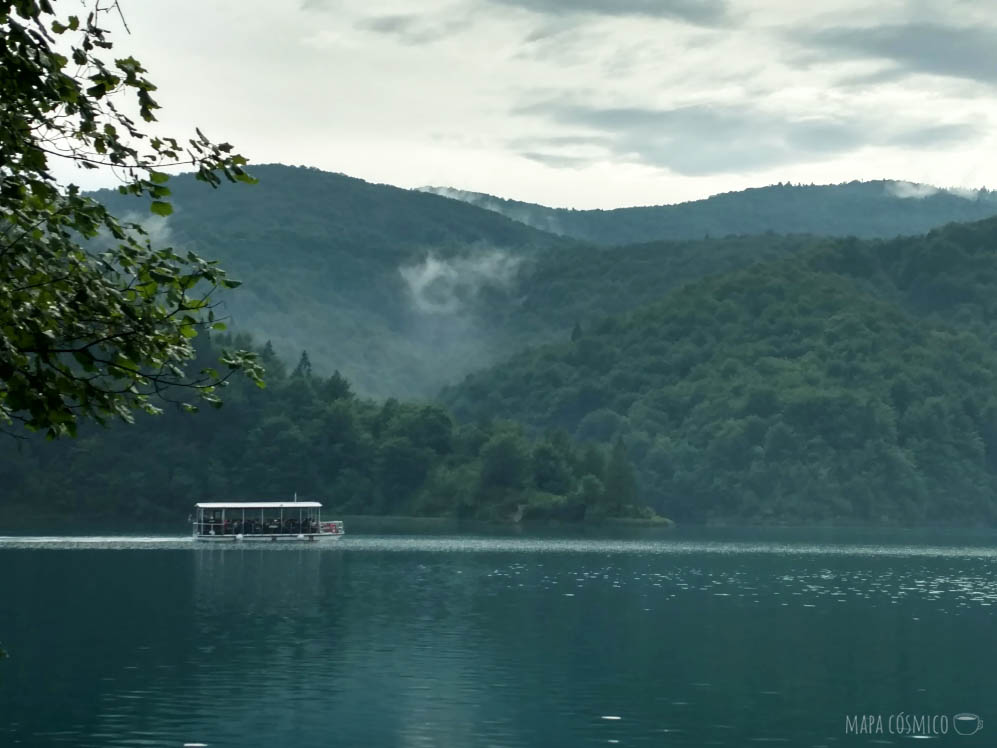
263	520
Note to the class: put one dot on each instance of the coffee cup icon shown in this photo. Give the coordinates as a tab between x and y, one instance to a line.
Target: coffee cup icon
966	723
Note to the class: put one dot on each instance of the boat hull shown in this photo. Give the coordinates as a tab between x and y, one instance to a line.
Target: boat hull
260	538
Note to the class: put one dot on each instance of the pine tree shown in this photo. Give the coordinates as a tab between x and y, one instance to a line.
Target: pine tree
304	367
275	368
337	387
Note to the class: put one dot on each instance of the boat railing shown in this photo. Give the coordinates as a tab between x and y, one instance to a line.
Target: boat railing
268	526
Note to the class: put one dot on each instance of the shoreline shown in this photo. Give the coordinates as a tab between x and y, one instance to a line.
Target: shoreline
17	521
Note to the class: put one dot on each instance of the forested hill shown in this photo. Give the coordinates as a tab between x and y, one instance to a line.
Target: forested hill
851	382
949	274
359	274
864	209
405	292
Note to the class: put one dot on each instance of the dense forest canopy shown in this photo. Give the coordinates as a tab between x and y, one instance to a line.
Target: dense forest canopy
310	435
854	381
878	209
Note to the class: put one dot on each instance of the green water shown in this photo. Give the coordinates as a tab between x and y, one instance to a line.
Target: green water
653	639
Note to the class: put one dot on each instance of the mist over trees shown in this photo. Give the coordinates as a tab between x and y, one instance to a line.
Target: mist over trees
323	260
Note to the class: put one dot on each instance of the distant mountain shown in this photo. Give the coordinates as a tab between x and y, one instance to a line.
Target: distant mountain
368	278
854	381
404	292
864	209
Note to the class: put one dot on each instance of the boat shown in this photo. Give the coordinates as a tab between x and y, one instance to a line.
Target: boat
263	520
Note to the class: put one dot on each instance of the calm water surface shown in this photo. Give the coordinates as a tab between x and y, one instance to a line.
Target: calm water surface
654	640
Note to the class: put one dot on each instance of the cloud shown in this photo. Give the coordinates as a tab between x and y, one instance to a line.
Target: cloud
915	191
427	107
965	193
699	12
726	138
910	190
413	29
444	286
537	216
557	160
158	229
936	49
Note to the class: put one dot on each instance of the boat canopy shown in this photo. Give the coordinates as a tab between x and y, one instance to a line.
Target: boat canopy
260	505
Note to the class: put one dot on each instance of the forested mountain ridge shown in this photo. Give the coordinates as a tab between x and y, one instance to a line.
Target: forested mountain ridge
323	260
948	274
847	383
404	292
877	209
558	290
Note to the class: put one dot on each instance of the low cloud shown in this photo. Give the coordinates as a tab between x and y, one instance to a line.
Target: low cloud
538	216
914	191
964	192
444	286
910	190
453	193
158	230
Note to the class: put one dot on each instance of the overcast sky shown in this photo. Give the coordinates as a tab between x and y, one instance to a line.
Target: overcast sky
586	103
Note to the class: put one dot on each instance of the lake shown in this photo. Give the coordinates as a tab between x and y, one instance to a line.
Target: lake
647	638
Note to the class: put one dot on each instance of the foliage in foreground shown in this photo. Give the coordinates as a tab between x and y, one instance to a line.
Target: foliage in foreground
94	321
311	435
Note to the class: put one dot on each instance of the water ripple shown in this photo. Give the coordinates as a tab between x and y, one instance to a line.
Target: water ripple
462	544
